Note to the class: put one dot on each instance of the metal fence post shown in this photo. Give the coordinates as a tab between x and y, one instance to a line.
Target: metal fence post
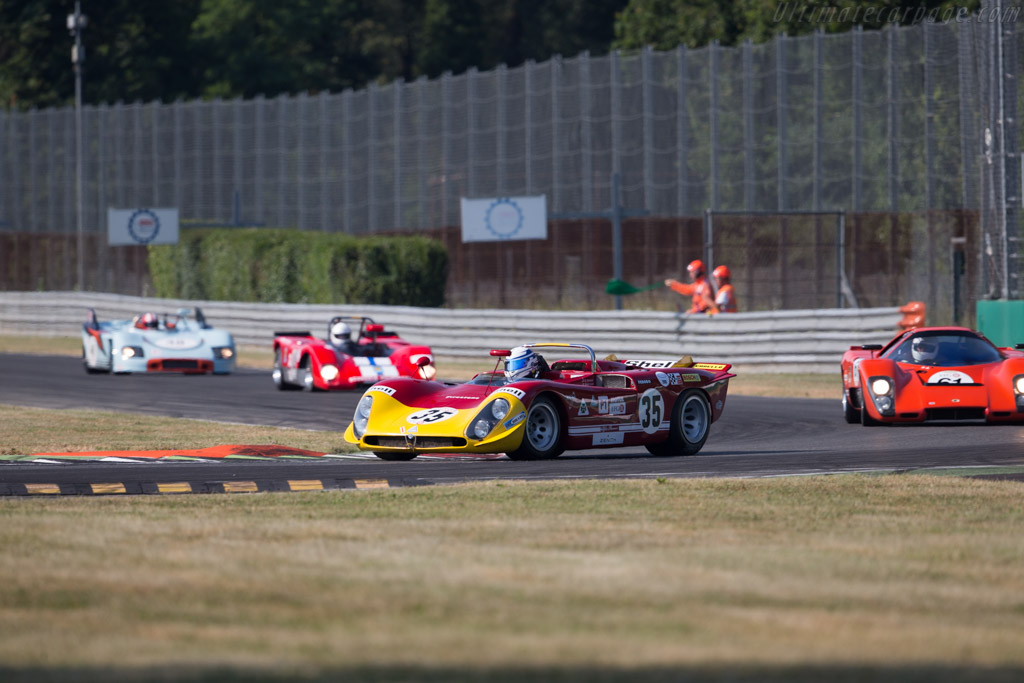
347	194
501	75
748	125
587	165
398	220
648	121
371	159
423	135
528	69
713	120
857	97
893	119
324	181
819	123
709	237
470	131
781	104
616	95
556	83
682	133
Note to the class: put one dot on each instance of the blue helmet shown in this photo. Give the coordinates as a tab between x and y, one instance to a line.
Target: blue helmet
523	363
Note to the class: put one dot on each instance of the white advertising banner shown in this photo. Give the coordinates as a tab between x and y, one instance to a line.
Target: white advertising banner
142	226
504	218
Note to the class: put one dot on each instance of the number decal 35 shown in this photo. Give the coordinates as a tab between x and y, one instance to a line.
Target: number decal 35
431	416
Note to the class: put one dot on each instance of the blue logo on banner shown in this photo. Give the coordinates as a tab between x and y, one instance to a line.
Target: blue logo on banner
504	218
143	226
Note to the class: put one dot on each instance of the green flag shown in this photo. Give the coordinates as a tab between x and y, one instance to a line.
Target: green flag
617	287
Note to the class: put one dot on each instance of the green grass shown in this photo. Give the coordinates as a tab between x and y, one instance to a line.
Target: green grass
918	578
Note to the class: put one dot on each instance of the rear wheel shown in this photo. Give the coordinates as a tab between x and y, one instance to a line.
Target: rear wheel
542	438
851	414
387	455
691	424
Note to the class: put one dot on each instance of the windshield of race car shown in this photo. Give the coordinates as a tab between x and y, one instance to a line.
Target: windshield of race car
494	379
944	349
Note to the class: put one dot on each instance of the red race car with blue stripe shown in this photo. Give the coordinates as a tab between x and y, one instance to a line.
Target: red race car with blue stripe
357	352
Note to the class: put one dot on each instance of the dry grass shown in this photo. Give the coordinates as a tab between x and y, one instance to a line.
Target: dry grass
809	579
803	385
31	430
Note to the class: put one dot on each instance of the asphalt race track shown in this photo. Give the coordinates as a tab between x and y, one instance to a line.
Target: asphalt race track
755	437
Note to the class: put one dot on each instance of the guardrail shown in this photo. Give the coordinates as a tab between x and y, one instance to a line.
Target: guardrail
808	340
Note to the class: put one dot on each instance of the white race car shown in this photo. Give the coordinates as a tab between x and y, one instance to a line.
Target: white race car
157	342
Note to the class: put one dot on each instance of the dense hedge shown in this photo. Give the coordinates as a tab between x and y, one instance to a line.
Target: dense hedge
268	265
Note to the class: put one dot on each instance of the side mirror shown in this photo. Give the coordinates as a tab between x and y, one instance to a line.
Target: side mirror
501	353
1019	347
868	347
374	328
423	361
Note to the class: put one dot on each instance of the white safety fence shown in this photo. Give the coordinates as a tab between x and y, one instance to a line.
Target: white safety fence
805	340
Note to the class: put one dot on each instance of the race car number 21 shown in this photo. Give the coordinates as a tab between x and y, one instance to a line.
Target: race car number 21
431	415
651	410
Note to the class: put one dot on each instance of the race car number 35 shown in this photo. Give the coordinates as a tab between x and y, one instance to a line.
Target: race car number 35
651	410
431	416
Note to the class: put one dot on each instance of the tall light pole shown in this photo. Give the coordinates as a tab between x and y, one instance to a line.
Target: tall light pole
76	22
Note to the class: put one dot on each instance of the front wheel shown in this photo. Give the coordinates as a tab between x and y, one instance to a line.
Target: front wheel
691	424
865	417
89	370
542	439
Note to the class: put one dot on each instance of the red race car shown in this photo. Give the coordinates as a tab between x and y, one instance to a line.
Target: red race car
933	373
357	351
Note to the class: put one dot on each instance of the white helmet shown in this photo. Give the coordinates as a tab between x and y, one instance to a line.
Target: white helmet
924	349
340	333
523	363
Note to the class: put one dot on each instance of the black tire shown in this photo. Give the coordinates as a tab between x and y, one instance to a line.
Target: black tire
543	436
278	374
306	364
397	457
691	424
850	414
866	419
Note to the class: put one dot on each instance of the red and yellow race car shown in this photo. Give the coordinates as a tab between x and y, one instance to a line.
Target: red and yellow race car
933	373
534	411
357	351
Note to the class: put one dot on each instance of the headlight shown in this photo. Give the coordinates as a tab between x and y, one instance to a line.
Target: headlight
1018	384
482	428
488	418
880	386
329	373
499	408
132	352
223	352
362	415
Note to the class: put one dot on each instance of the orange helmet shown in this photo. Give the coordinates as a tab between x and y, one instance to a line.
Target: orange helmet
696	268
722	273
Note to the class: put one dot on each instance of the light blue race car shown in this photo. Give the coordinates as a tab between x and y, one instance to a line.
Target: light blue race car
157	342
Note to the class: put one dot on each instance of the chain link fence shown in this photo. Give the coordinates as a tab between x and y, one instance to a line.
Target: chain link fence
916	121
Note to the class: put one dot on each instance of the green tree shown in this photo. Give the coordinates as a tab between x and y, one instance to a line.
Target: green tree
668	23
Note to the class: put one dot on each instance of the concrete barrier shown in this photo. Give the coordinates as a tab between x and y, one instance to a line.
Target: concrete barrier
807	340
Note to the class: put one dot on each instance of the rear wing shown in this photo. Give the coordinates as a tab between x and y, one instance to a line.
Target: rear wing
721	370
